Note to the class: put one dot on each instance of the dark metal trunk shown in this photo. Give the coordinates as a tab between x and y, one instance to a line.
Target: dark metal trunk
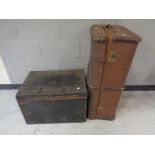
53	97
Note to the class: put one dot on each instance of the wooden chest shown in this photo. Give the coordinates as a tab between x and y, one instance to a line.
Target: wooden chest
112	50
53	97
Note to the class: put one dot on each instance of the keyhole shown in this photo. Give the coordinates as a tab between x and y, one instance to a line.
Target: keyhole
113	56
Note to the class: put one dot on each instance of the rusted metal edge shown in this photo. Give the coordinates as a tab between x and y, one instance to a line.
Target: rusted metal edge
47	95
23	100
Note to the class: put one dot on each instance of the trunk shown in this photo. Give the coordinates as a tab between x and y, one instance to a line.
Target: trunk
112	51
53	97
103	103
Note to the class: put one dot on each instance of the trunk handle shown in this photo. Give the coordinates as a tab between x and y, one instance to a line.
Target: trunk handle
110	28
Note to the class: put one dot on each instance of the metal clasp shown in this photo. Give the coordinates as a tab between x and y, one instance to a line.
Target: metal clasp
100	108
112	57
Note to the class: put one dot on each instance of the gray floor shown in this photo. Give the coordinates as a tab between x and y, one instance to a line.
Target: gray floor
135	115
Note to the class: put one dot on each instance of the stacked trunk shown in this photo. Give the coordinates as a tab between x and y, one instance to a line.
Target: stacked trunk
112	51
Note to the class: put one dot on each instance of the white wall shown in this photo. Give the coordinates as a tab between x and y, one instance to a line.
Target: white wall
143	67
27	45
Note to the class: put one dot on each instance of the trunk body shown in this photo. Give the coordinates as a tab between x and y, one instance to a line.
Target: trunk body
112	51
53	97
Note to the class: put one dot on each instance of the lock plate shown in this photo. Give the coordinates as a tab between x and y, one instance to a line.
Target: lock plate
100	108
112	57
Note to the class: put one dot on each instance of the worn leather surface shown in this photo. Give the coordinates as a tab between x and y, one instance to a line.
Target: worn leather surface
112	51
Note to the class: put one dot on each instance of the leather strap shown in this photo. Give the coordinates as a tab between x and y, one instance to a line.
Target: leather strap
109	32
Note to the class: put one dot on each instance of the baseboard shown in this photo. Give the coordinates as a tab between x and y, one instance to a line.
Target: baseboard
9	86
139	88
127	87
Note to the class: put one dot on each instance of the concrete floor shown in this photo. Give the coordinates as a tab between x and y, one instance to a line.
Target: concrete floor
135	115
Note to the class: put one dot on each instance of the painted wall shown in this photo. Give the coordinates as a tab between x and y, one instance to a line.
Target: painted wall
27	45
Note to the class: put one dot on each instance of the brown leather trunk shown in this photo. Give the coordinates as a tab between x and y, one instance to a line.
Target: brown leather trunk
112	50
